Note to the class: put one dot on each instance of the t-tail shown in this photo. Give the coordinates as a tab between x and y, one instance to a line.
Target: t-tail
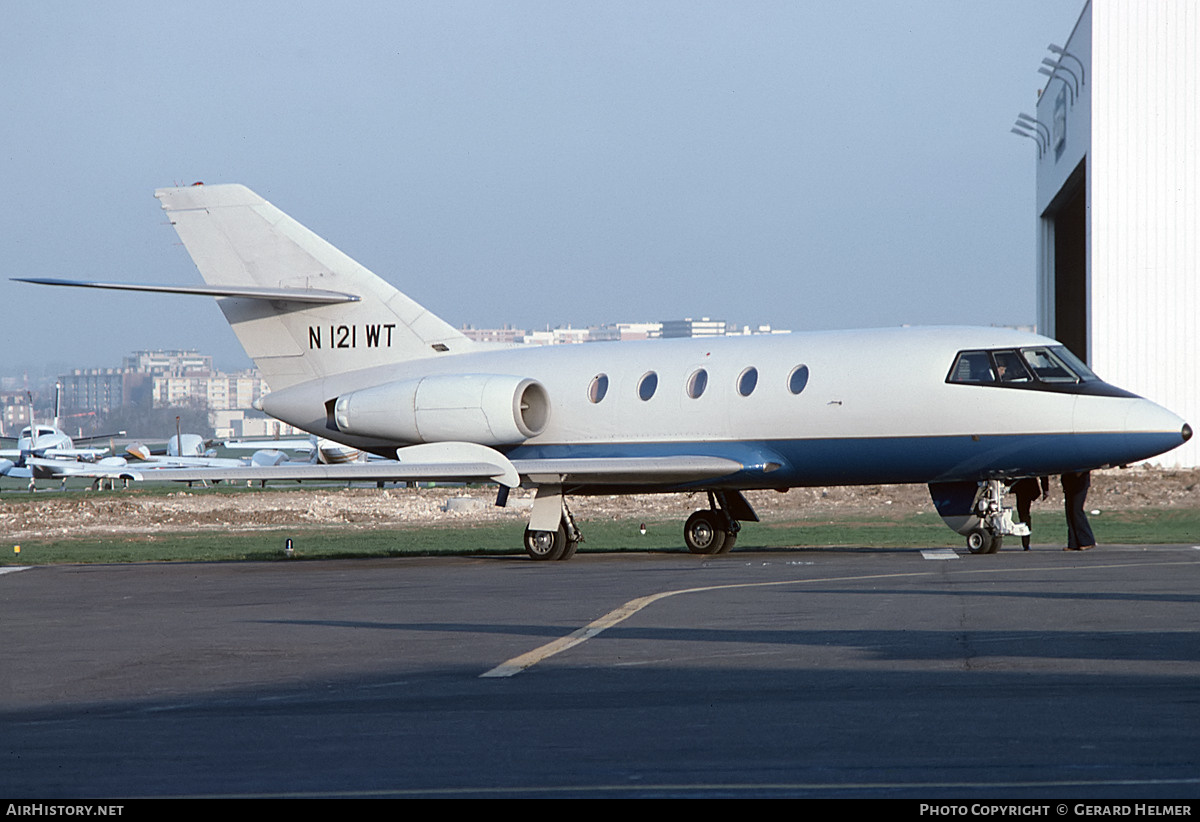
300	307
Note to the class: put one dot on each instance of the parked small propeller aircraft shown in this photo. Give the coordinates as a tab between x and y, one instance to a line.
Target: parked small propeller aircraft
47	443
44	443
350	358
319	449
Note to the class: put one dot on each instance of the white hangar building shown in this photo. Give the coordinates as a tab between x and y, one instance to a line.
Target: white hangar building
1118	200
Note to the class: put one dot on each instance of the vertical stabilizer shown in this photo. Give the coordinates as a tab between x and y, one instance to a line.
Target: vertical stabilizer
236	238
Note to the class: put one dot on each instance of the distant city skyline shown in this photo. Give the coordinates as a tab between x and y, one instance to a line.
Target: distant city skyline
808	165
162	360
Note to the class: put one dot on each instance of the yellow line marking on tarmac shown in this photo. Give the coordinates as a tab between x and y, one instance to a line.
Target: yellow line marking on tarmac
619	615
615	617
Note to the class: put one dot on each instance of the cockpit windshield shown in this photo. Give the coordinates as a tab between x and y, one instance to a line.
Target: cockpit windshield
1037	367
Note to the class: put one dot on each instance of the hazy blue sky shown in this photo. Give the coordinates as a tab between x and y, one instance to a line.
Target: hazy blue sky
805	164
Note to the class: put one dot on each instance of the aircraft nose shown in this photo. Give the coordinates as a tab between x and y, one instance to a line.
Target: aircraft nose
1146	416
1156	427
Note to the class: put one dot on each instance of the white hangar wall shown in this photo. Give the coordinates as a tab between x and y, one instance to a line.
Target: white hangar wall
1118	190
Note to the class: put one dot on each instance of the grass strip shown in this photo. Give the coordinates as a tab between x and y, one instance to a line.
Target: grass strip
923	530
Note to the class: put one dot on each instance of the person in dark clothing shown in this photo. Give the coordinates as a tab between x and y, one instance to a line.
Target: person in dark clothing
1028	491
1075	487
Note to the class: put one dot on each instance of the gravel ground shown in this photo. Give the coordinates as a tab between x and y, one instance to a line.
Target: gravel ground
56	515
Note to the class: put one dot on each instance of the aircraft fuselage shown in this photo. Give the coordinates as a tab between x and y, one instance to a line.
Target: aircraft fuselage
801	409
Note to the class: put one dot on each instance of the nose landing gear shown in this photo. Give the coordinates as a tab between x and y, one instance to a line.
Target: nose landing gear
976	510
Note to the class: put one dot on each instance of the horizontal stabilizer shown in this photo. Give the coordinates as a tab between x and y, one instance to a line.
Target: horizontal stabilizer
295	295
240	241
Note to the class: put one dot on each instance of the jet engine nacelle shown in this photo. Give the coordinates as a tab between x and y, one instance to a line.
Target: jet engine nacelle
489	409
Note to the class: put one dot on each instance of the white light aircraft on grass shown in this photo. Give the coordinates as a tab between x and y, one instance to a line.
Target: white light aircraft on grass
44	443
319	449
349	357
182	451
47	444
185	451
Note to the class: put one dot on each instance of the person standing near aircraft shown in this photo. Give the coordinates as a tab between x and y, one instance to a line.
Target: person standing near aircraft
1075	487
1028	491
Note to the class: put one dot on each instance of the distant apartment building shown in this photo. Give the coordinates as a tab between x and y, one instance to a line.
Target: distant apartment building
167	361
638	331
746	330
567	335
213	390
101	390
505	334
14	412
241	423
703	327
559	336
174	378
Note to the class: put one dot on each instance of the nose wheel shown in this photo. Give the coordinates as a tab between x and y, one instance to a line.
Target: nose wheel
977	511
981	541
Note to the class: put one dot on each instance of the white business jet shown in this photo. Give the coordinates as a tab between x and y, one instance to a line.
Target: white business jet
350	358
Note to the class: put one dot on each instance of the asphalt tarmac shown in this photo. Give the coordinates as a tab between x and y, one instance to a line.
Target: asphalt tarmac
833	673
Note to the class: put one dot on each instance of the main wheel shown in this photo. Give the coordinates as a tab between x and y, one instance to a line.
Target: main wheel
980	541
569	548
704	533
545	545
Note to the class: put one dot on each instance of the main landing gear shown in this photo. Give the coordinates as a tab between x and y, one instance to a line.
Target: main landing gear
550	545
544	542
552	533
715	531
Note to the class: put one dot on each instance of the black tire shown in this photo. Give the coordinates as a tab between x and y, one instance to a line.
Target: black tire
704	533
569	549
980	541
545	546
730	541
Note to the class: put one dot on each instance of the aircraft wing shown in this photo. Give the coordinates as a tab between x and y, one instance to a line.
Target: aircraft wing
627	470
262	443
69	453
380	471
49	467
445	462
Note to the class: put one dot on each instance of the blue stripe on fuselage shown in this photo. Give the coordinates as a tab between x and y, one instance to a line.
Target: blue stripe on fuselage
870	460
